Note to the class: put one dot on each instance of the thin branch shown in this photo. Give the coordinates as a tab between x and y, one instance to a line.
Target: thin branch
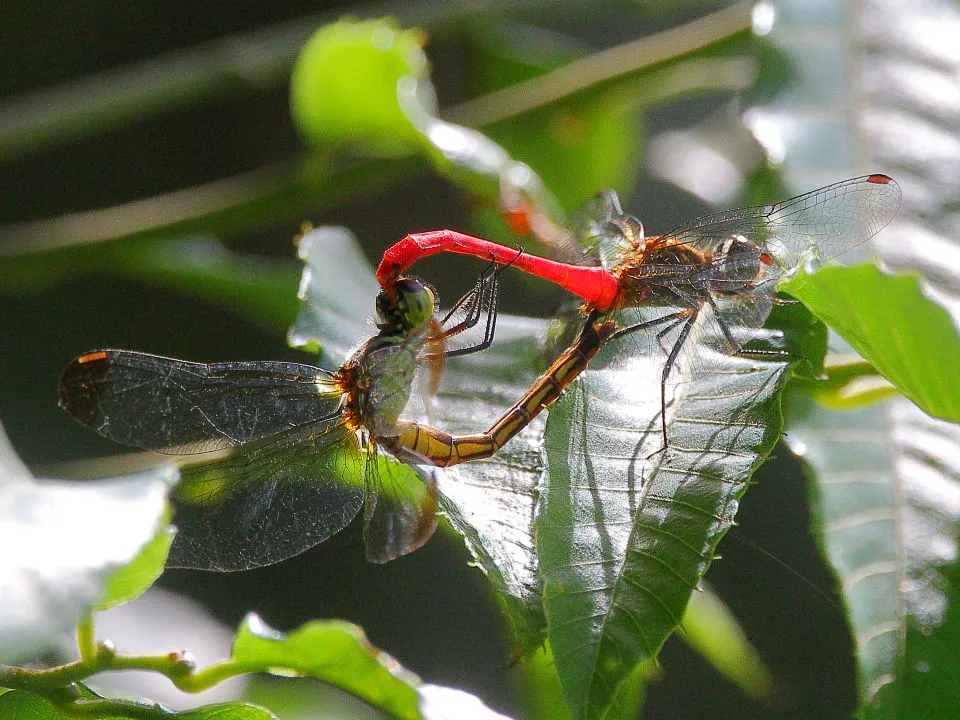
86	639
602	66
239	64
202	207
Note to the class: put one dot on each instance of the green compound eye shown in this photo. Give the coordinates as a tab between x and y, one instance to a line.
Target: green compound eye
414	305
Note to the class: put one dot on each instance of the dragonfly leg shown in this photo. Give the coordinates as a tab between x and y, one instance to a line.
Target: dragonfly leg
667	367
721	323
474	302
489	330
485	294
685	317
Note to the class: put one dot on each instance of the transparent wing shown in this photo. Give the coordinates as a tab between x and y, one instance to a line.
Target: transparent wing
400	507
178	407
604	230
739	255
269	500
400	510
822	223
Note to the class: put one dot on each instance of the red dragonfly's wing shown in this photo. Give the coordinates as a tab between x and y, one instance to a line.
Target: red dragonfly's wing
822	223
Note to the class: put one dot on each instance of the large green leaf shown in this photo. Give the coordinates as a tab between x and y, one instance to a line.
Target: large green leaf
886	493
335	652
910	339
64	541
625	532
886	476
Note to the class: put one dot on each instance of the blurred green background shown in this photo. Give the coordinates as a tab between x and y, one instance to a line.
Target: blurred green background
208	104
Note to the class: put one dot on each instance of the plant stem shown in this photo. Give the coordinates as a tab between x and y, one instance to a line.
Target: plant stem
616	62
240	64
86	639
178	667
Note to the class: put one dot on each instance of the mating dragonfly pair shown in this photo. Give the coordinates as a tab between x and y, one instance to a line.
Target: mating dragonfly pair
302	442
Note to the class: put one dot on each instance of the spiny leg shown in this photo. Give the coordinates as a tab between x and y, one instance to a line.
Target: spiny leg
474	300
724	328
485	294
687	317
668	366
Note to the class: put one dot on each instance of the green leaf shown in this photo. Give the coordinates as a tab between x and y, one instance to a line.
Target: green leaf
132	580
910	339
885	494
625	532
345	84
24	705
65	540
226	711
850	382
337	294
711	629
339	653
366	85
333	651
542	697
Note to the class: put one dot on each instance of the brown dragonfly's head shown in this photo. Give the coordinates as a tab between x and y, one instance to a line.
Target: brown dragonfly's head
409	306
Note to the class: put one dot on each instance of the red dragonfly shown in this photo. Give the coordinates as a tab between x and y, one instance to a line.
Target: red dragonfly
722	268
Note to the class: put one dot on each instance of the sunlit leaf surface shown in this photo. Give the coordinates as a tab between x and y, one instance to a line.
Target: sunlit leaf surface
337	293
62	543
889	322
626	532
886	478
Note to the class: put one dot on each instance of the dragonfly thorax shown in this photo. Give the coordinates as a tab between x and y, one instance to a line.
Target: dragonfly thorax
377	379
647	275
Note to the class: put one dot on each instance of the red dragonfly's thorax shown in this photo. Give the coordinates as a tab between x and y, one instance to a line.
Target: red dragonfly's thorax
659	262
